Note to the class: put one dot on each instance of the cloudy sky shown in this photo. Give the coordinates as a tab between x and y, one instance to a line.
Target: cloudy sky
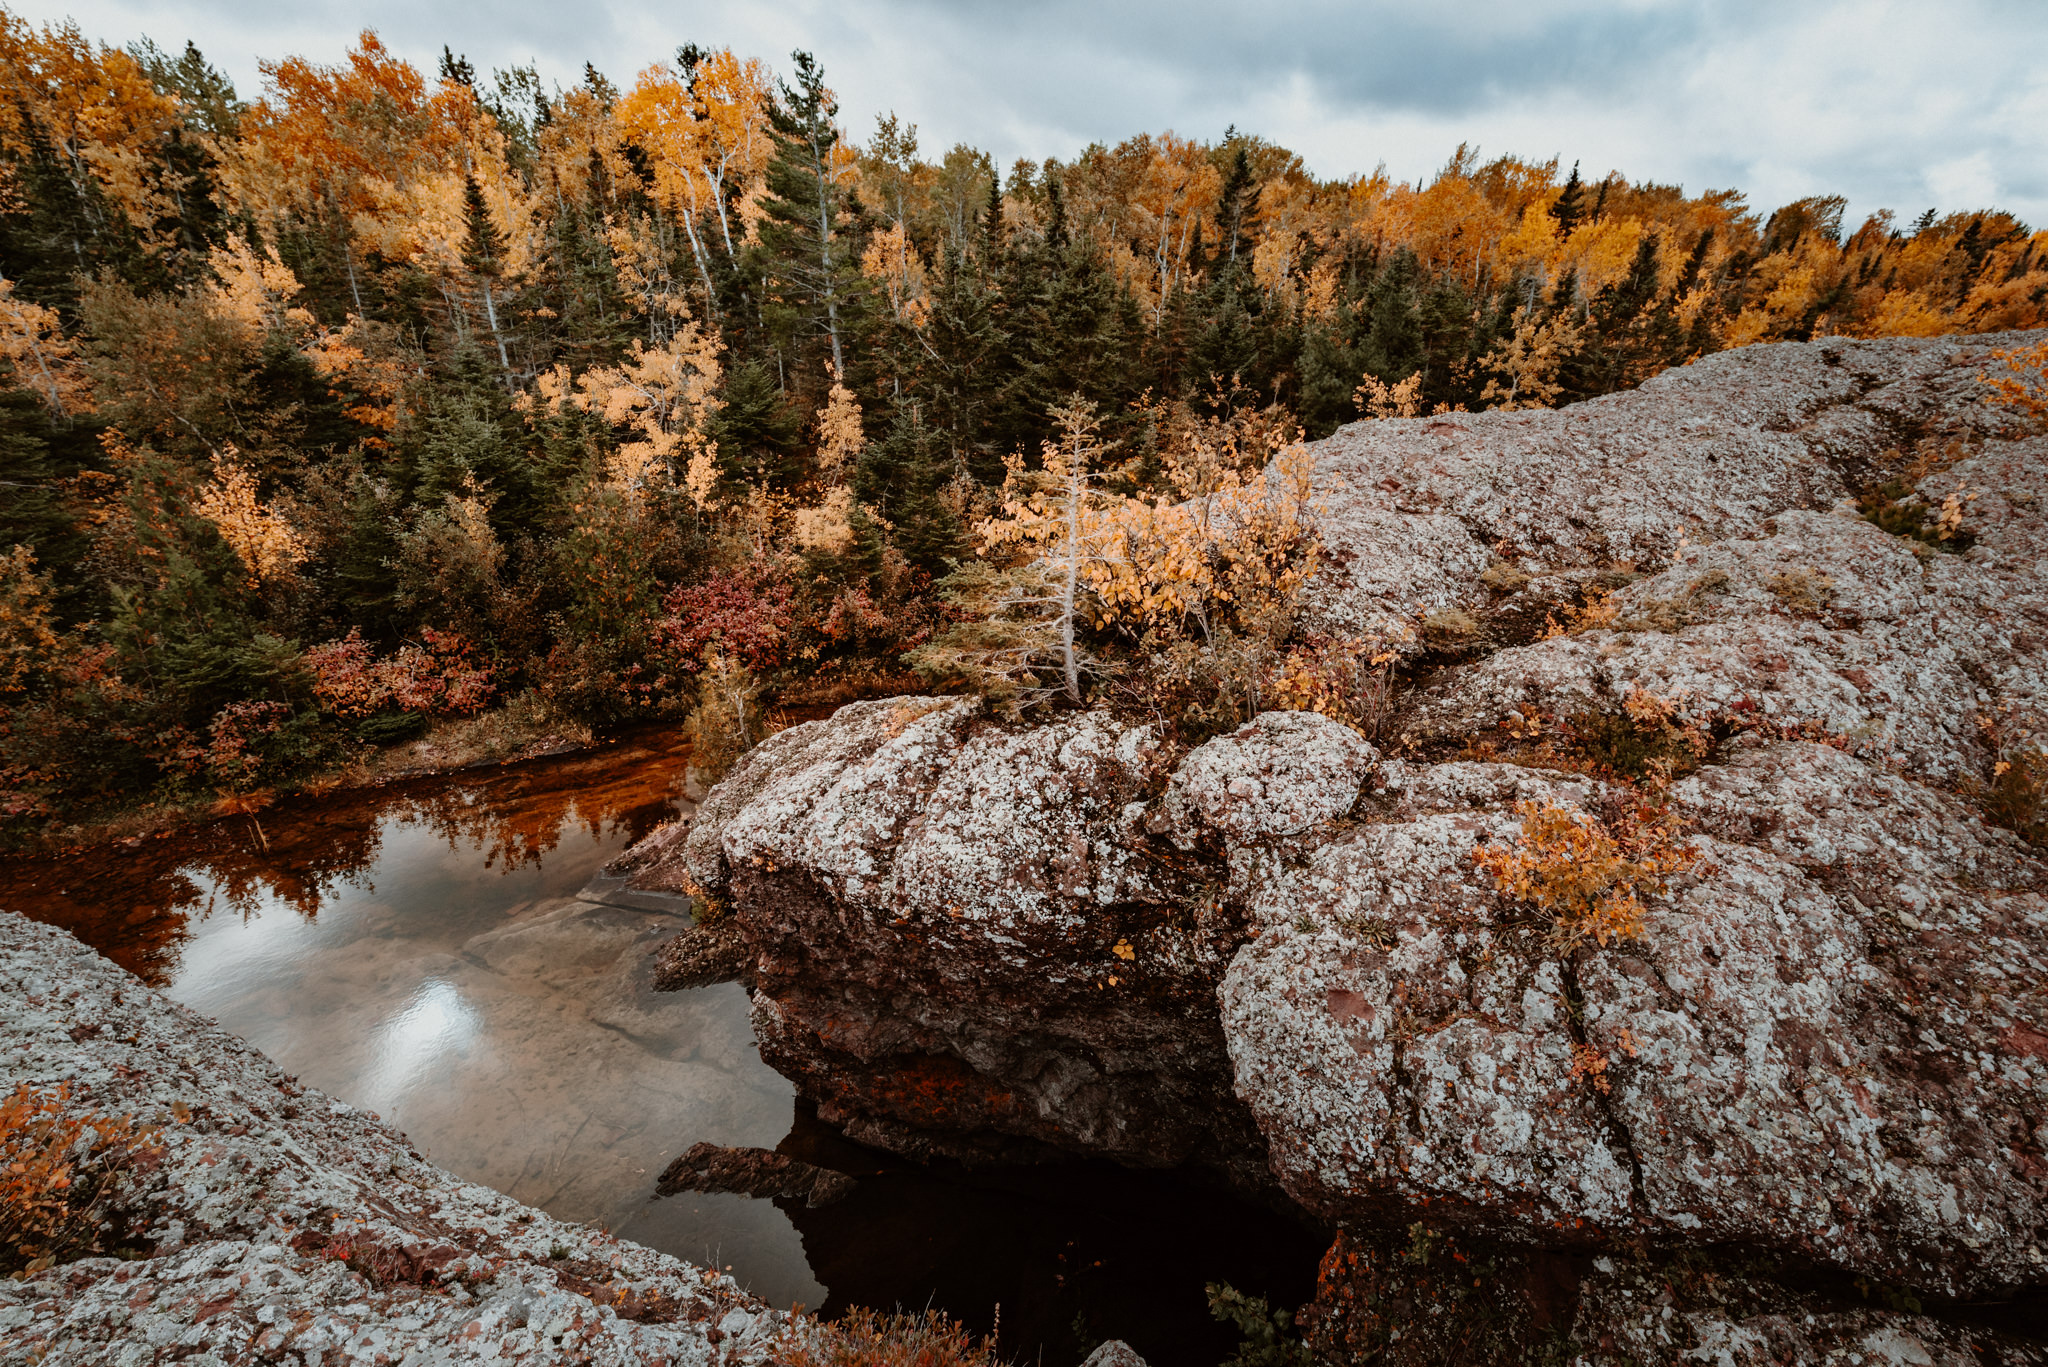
1942	103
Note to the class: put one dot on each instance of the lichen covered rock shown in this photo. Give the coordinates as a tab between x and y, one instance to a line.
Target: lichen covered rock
1281	774
1769	1064
283	1225
1822	1047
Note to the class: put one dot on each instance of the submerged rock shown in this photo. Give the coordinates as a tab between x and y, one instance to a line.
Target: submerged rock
283	1225
752	1172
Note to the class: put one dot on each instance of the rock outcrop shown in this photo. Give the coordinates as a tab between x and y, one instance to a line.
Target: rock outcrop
964	945
1826	1047
285	1226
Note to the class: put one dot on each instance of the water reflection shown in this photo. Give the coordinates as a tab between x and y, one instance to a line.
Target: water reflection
135	900
425	950
435	1022
422	951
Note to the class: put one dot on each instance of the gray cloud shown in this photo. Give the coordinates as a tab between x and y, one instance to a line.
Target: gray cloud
1892	103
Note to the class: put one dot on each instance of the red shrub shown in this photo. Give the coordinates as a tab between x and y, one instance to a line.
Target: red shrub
745	615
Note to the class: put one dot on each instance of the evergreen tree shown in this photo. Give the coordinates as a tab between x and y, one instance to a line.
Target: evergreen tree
1225	348
1393	343
209	117
805	254
1331	364
992	226
465	435
1084	336
757	430
1695	262
32	511
902	476
1571	204
457	69
483	252
1235	209
56	228
1630	336
1056	214
1445	318
962	375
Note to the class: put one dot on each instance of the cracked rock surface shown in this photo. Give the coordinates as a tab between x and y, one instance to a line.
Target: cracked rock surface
286	1226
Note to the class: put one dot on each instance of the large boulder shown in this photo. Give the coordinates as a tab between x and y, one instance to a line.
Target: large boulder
963	944
1824	1050
1772	1063
1415	508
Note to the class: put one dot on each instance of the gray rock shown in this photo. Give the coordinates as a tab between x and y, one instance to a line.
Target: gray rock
1277	956
283	1222
1278	775
1114	1353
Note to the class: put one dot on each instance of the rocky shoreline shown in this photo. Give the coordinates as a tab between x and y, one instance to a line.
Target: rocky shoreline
282	1225
1819	1063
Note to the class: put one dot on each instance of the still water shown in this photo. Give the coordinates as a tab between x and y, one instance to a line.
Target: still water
443	952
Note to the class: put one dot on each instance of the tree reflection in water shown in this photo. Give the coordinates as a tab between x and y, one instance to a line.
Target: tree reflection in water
134	900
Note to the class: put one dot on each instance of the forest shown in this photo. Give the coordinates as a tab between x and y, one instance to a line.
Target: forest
388	398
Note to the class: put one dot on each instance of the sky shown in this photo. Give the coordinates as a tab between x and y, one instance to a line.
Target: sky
1906	106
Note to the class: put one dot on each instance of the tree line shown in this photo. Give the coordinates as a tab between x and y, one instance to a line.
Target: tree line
388	396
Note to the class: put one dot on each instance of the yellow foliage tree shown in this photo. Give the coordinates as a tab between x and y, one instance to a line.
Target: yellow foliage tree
98	111
663	397
262	537
28	631
32	341
1530	359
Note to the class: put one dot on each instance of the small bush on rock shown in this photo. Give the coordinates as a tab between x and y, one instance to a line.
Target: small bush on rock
1804	592
1584	873
1269	1338
2017	796
866	1339
1894	507
2024	387
63	1176
1648	738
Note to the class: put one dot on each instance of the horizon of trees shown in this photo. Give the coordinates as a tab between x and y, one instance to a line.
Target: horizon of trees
387	393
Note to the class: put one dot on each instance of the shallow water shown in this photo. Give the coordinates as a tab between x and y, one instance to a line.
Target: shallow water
436	951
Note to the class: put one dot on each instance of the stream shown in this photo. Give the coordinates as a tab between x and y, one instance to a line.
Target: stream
442	951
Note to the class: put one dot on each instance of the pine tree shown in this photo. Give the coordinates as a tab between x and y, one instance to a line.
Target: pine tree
1236	208
464	434
1225	348
1084	333
962	372
1571	204
1331	363
1695	263
903	477
1393	343
757	430
1056	213
992	225
805	253
1631	332
483	252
